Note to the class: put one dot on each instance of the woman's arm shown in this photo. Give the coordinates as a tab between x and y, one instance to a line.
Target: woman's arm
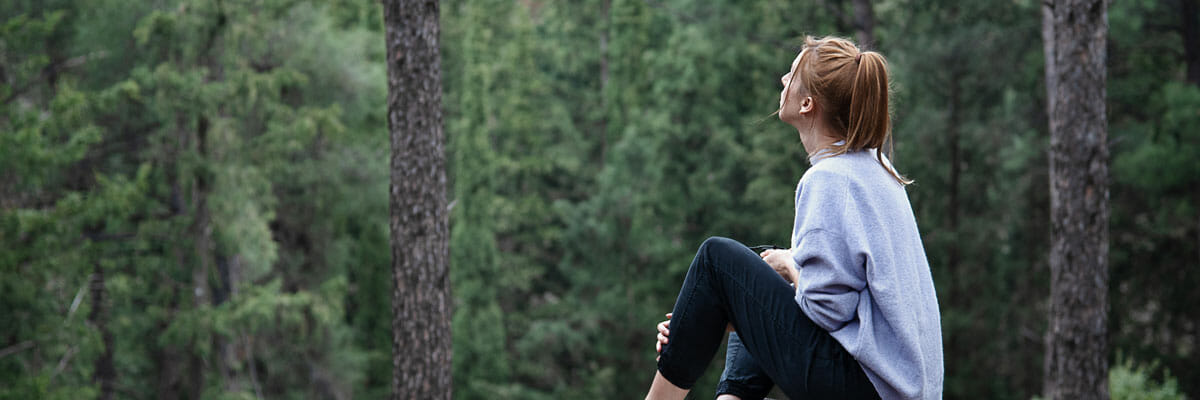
781	261
830	279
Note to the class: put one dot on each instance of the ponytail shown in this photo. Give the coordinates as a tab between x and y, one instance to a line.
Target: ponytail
870	123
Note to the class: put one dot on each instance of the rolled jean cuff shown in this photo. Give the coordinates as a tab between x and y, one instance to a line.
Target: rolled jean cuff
674	375
742	392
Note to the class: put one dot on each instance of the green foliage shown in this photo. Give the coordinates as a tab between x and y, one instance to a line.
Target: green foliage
199	168
1155	220
986	231
1131	381
1127	381
223	166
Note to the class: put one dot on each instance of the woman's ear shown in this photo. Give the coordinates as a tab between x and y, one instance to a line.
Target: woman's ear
807	104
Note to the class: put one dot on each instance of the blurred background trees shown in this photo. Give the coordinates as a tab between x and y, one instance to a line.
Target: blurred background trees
193	193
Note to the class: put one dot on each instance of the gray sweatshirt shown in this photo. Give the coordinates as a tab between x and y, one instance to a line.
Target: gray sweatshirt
864	276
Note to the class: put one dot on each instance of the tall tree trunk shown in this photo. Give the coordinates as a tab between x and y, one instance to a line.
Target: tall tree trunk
841	22
1189	28
105	373
421	342
953	127
203	294
1076	364
606	12
228	272
201	232
864	24
168	359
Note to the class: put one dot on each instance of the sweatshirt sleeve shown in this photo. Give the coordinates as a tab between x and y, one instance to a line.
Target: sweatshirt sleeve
830	279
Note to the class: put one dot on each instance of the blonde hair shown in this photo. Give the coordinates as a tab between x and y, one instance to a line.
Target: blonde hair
853	88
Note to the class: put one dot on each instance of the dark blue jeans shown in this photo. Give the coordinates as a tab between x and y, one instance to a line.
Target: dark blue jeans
775	342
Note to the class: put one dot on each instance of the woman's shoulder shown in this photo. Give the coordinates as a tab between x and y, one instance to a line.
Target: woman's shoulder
839	169
850	177
824	174
857	169
825	183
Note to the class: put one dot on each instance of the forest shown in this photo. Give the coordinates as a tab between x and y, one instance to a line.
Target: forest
194	193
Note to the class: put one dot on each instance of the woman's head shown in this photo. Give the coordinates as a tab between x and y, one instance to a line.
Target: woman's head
834	85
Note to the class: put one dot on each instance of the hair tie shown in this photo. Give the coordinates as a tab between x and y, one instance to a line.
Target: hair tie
858	58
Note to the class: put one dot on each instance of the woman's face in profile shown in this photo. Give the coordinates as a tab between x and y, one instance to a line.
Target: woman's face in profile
788	84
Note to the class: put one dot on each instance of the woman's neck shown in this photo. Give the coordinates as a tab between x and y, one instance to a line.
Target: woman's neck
816	138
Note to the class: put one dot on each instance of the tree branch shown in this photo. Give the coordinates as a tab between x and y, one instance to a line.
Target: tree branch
62	363
53	69
16	348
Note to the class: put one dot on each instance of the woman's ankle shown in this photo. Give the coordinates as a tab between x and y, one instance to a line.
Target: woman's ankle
662	389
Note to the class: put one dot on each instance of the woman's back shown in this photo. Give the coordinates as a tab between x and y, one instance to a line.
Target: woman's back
864	276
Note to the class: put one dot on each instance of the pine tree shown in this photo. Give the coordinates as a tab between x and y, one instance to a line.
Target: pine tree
1076	365
421	302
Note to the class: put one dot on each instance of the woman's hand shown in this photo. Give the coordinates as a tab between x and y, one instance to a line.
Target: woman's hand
663	332
778	260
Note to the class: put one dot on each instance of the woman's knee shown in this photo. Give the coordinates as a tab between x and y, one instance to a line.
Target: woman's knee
717	244
716	251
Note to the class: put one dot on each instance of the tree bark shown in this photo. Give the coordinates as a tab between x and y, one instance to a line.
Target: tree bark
864	24
953	128
105	373
421	342
1076	365
201	232
1189	28
842	22
606	12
